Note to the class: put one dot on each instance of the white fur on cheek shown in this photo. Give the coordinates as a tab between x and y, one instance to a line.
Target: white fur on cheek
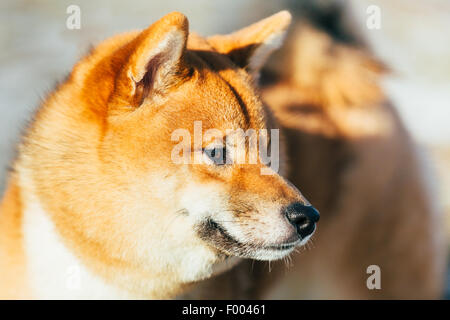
203	201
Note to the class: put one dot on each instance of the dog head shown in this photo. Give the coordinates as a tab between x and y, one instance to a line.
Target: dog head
119	125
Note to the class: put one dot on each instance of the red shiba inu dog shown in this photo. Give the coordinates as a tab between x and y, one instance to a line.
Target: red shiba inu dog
96	208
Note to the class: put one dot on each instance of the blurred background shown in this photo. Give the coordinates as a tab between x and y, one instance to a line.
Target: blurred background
38	50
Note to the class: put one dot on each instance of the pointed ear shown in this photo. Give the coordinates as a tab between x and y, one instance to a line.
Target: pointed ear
250	47
155	60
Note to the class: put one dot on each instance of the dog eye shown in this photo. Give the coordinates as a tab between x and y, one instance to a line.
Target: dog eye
217	155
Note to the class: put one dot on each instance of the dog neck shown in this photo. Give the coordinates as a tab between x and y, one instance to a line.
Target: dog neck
55	272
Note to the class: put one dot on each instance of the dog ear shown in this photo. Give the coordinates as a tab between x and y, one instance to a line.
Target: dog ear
154	62
250	47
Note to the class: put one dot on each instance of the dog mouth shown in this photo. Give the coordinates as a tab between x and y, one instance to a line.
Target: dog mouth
218	237
283	246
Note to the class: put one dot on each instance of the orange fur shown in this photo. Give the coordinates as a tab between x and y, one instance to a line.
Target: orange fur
12	259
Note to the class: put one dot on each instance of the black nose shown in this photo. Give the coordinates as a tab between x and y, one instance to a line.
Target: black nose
303	218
